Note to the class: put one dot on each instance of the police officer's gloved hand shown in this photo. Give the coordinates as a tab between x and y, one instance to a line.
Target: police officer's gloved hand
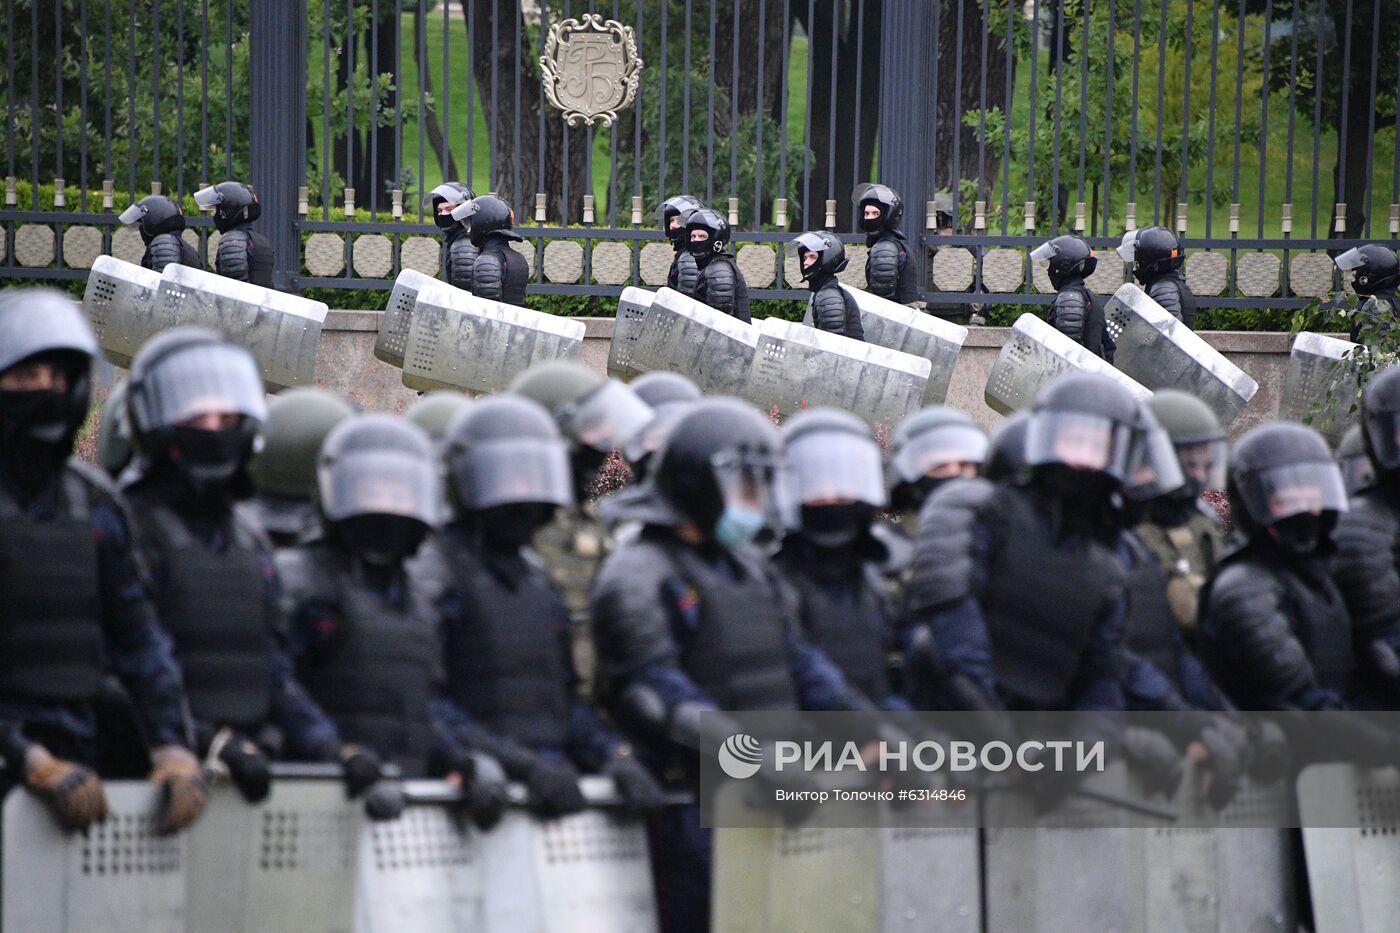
361	768
184	791
1227	761
553	787
484	791
1154	759
1272	759
384	801
243	762
638	789
72	791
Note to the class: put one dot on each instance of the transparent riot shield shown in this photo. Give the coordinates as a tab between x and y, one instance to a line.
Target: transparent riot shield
899	327
682	335
1319	388
392	340
632	309
1160	352
459	341
796	367
120	301
1033	355
280	330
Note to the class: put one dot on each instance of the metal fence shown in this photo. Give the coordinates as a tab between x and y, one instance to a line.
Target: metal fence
1263	131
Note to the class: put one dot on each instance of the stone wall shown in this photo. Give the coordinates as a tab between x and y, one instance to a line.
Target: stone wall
345	363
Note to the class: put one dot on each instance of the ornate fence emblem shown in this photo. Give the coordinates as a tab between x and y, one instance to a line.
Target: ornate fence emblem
590	68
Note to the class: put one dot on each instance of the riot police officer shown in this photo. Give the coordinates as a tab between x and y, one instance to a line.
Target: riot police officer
1156	257
504	624
1353	461
820	256
931	447
596	417
500	273
720	285
689	618
283	472
195	402
1366	568
435	412
243	253
830	557
113	433
1375	277
1075	312
1025	607
684	274
160	221
888	272
458	253
75	607
668	395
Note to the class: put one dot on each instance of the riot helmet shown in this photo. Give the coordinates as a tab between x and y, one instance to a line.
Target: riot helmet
1285	486
879	208
436	411
1376	268
156	214
669	395
46	354
943	211
723	470
1086	423
195	402
1201	447
114	433
1155	470
298	421
707	234
232	202
662	387
932	446
377	486
1151	251
443	199
1380	420
1006	449
834	475
486	215
673	213
1067	258
818	252
1354	462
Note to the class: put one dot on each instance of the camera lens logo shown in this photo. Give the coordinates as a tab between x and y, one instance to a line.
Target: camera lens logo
740	756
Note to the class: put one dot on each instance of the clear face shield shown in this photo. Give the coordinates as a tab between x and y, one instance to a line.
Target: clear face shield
650	439
1204	464
1091	443
449	195
1351	259
1043	253
463	212
1297	489
380	482
806	250
207	198
1128	248
1155	470
835	468
513	471
940	453
204	379
132	214
756	493
607	418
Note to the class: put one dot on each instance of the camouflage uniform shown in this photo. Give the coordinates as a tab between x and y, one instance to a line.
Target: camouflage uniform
572	547
1188	553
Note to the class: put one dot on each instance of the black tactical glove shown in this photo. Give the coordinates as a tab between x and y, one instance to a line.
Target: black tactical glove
553	787
73	792
384	801
1154	758
243	762
484	793
1229	757
639	791
1272	759
361	769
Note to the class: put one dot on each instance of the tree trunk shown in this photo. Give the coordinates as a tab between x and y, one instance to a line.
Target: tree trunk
956	99
429	115
561	163
1352	187
383	136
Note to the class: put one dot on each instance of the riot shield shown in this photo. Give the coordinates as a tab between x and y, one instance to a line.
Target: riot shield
1318	367
1034	354
1160	352
398	314
796	367
899	327
459	341
1354	868
280	330
120	301
632	309
685	336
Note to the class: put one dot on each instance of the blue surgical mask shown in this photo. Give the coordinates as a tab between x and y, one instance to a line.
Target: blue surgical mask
738	526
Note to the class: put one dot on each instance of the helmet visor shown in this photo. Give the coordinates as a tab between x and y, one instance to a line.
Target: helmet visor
448	193
1203	464
756	481
1042	253
1082	442
380	482
464	211
130	215
1351	259
207	198
807	242
672	215
1128	248
1296	489
517	470
835	467
606	418
926	452
1383	432
873	193
1155	470
652	438
199	380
